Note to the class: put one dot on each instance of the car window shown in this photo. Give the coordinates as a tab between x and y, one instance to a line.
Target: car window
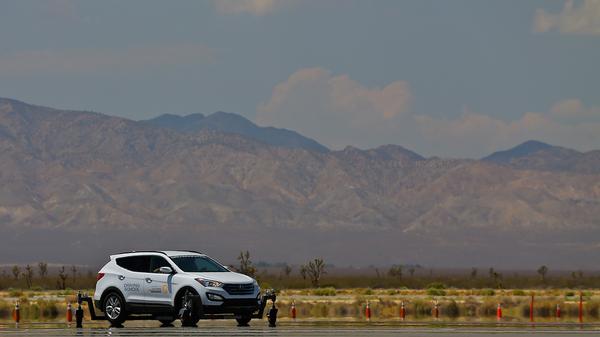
195	263
138	263
156	262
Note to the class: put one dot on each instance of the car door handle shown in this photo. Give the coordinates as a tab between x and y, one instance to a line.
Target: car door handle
148	280
121	277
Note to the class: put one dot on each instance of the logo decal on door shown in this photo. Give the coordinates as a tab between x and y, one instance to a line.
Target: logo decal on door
131	287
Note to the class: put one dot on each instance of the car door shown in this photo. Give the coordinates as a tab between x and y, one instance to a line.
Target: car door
159	286
132	277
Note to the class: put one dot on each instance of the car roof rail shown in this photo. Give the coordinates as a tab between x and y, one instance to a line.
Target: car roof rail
141	251
159	251
192	251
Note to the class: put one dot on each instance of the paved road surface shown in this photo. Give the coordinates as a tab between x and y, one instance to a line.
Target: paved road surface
299	330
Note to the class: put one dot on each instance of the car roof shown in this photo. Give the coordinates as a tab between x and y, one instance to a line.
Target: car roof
181	252
158	252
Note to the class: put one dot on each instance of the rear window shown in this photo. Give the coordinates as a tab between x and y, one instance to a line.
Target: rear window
156	262
139	263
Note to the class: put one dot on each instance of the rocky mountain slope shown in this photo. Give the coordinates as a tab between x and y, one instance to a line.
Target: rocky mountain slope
534	155
236	124
83	180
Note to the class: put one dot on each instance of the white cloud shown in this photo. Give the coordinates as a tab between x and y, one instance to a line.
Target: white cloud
335	109
583	19
568	123
340	111
574	111
255	7
86	60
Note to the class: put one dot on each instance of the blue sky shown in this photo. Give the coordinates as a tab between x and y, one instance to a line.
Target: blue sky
446	78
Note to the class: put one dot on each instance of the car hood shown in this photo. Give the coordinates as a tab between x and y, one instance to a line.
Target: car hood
225	277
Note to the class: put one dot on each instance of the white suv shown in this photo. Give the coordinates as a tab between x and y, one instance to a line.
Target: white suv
161	285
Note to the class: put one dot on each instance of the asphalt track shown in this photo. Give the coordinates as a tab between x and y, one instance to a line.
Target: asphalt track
296	329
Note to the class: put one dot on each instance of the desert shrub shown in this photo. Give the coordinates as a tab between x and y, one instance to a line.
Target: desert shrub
452	310
48	309
593	309
421	308
436	285
324	291
518	292
488	308
367	291
452	293
5	310
343	311
15	292
436	292
545	309
319	310
487	292
470	308
541	309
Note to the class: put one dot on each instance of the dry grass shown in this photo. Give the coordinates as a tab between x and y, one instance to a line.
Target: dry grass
330	303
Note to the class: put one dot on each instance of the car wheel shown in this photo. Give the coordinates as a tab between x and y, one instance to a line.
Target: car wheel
243	320
190	316
114	308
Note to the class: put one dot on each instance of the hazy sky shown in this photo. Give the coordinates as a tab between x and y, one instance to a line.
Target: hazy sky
448	78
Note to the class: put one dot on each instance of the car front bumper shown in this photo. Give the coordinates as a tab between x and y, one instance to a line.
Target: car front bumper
233	306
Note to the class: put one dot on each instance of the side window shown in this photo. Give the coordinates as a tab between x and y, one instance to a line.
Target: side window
156	262
140	263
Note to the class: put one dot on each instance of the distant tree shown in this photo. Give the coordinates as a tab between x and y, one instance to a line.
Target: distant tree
28	275
543	270
246	266
42	269
303	272
62	277
314	270
497	279
287	270
16	271
377	273
491	272
395	271
473	273
74	273
411	270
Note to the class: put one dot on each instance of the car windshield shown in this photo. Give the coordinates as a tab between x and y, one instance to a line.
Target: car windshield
196	264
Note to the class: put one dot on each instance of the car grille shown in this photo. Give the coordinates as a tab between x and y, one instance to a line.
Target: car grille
239	289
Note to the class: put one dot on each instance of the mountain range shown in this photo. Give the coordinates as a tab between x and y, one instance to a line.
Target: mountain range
236	124
78	185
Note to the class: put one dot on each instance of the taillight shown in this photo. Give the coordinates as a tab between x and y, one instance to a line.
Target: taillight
99	276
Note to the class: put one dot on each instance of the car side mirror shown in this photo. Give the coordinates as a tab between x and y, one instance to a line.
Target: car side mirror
165	270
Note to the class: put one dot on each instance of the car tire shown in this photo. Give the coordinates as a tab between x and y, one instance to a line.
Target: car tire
243	320
192	317
114	308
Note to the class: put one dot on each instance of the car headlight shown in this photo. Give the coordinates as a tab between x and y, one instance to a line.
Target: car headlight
210	283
